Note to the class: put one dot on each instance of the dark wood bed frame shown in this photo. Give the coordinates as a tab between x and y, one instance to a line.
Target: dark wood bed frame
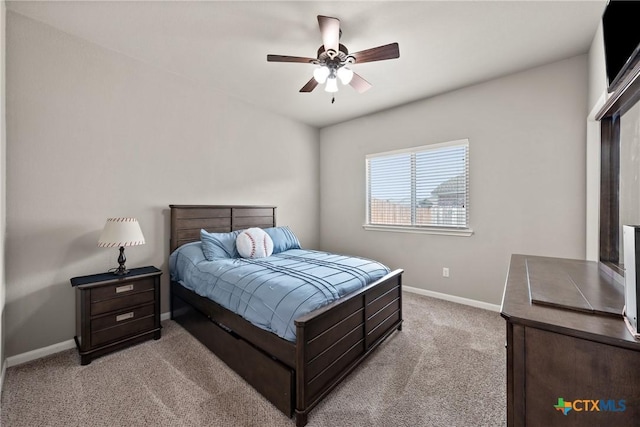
330	342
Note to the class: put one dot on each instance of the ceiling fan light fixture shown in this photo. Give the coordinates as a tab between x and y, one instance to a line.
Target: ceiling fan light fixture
332	85
345	75
321	74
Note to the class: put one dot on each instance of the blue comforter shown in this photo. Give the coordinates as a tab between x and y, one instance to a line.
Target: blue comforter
272	292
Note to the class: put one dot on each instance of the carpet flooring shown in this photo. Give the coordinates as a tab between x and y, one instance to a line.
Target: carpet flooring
445	368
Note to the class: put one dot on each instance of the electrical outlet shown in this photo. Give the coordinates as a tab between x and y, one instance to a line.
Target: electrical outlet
445	272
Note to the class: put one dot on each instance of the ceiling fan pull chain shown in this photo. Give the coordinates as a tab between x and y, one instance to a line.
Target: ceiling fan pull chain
333	99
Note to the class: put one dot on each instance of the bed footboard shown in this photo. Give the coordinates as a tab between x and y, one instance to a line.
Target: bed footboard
333	340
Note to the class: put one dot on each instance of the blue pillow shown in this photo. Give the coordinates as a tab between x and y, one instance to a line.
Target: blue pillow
283	239
219	245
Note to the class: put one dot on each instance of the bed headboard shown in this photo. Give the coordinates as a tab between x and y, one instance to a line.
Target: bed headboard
187	220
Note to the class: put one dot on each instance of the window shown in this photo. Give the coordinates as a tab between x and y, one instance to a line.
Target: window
419	188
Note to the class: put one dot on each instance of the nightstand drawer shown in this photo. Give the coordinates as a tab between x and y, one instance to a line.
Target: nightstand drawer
126	287
121	317
122	331
113	304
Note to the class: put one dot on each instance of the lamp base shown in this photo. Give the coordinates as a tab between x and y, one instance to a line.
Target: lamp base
121	270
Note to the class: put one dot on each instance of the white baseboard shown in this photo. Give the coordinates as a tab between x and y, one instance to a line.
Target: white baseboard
2	372
453	298
19	359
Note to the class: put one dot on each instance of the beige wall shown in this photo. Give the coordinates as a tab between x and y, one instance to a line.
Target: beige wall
597	96
527	166
92	134
3	173
597	70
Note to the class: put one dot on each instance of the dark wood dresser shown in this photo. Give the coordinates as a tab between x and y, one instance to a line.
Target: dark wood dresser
570	359
113	312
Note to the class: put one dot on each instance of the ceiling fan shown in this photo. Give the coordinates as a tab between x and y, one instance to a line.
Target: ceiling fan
333	59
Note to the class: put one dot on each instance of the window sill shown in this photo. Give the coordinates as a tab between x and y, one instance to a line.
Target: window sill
466	232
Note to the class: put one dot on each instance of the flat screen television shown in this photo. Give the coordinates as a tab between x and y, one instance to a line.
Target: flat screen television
621	33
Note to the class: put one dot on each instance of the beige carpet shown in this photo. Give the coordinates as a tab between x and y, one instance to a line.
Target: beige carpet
445	368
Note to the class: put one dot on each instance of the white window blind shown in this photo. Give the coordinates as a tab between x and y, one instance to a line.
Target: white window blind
424	186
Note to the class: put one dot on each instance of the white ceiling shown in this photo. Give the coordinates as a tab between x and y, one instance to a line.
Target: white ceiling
444	45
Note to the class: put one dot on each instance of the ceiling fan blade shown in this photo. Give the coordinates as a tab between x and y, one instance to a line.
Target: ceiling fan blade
285	58
311	85
359	84
330	32
380	53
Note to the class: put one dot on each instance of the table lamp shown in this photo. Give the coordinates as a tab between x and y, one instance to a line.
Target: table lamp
121	232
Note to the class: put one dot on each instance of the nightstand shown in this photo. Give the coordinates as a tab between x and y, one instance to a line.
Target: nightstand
113	312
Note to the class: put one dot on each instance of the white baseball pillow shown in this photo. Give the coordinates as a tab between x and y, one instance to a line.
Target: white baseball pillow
254	243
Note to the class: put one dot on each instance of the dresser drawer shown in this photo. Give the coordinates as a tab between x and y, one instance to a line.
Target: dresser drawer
121	303
121	317
122	331
125	287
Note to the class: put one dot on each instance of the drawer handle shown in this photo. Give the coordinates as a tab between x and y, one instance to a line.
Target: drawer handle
125	288
125	316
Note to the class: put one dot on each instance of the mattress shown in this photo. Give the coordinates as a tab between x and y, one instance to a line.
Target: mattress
272	292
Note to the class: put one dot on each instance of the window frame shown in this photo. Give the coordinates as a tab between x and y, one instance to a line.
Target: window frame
421	229
621	101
